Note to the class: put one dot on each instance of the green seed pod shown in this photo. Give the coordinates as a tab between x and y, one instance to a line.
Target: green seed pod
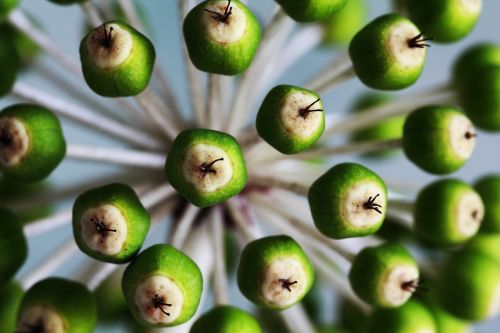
311	10
24	47
221	36
291	119
393	230
67	2
474	58
31	142
313	302
438	139
226	319
341	27
274	272
9	65
486	244
399	56
447	212
445	20
162	286
412	317
446	323
6	6
206	167
271	320
13	243
480	98
117	60
351	317
349	200
57	305
11	295
110	223
109	298
385	275
469	286
388	129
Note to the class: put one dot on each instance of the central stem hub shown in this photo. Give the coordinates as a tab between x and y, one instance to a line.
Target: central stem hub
410	286
5	138
206	168
101	228
105	36
370	204
419	41
224	16
305	111
159	302
286	284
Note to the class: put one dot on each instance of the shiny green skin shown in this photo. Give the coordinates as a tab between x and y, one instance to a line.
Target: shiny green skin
269	124
480	98
260	253
11	295
435	212
12	243
47	144
129	78
311	10
340	27
125	199
175	159
71	300
213	57
445	20
378	70
413	317
165	260
326	195
67	2
25	48
10	65
486	244
351	317
393	230
6	6
425	140
226	319
111	304
370	268
446	323
488	188
388	129
467	285
473	59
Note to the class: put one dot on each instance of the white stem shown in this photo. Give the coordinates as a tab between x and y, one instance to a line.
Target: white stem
47	267
18	19
157	195
178	236
401	217
99	273
272	181
337	66
220	281
49	223
280	24
339	78
86	117
194	77
214	102
134	158
248	228
160	117
296	320
399	107
91	13
402	205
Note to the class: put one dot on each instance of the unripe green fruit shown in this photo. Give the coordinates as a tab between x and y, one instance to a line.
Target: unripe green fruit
117	60
67	2
488	188
313	302
445	20
469	286
438	139
351	317
109	298
393	230
385	275
206	167
388	53
340	27
473	59
6	6
446	323
24	47
59	305
13	244
480	97
274	272
31	142
349	200
486	244
226	319
388	129
447	212
311	10
9	65
110	223
291	119
11	295
162	286
413	317
221	36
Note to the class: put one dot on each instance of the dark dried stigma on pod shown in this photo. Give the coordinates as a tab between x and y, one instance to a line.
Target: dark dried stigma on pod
370	204
286	284
419	41
206	168
37	328
475	214
470	135
410	286
101	228
104	36
305	111
159	302
5	137
222	17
